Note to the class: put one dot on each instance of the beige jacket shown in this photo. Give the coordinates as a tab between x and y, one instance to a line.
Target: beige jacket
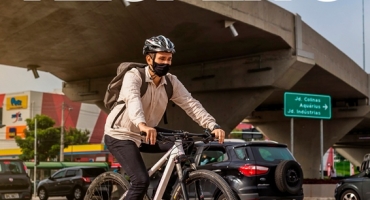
151	106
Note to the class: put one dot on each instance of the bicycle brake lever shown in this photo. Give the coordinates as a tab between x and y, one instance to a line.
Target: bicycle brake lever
209	136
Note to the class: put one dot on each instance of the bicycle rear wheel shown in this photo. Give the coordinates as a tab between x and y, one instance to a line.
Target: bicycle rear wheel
107	186
212	186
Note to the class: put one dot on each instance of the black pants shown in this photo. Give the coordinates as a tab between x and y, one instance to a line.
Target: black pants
128	155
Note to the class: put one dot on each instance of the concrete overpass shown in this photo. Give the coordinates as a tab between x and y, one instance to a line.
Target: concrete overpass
236	78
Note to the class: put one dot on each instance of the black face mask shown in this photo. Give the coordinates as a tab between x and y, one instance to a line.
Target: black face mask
161	69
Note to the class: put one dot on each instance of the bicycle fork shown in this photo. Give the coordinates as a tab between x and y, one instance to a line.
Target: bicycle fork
181	177
184	175
198	187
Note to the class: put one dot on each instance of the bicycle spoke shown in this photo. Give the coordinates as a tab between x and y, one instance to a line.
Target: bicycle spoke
108	191
108	186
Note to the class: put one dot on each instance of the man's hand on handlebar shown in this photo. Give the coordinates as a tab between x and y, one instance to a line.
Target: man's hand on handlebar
151	133
219	134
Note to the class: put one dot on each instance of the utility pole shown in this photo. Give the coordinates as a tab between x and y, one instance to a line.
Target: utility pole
363	34
61	159
35	156
35	162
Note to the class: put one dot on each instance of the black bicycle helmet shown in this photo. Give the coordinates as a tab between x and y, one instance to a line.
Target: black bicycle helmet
158	44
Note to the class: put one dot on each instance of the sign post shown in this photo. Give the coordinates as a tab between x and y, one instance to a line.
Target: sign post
292	135
312	106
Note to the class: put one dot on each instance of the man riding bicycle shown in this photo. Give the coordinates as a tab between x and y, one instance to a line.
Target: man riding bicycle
142	114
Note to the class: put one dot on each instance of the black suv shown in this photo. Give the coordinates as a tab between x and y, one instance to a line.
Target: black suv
254	170
14	181
71	182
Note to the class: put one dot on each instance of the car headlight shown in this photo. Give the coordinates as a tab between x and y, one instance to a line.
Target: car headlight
339	184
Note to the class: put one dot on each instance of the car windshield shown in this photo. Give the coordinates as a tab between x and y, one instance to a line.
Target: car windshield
271	154
92	172
9	166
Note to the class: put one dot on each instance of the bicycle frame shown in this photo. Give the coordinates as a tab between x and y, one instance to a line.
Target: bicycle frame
175	152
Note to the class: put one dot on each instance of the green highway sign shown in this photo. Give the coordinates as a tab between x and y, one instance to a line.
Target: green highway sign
307	105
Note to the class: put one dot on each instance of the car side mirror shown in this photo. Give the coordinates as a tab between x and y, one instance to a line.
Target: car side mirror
358	168
51	178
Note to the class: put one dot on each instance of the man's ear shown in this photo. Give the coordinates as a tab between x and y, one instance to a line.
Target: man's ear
148	59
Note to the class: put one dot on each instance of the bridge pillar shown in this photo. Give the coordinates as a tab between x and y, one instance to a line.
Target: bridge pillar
306	143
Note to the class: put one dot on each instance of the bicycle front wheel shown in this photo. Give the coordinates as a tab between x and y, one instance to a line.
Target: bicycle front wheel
107	186
204	184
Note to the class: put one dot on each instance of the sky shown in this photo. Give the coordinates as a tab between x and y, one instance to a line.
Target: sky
340	22
17	79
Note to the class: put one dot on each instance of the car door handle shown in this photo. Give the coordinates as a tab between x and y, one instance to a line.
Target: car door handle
217	170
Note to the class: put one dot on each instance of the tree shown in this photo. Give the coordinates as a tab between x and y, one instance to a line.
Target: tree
48	139
75	136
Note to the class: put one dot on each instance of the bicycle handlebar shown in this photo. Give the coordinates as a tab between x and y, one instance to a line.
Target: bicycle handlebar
206	136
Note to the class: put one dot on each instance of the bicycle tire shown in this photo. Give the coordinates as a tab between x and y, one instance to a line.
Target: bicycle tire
114	183
223	190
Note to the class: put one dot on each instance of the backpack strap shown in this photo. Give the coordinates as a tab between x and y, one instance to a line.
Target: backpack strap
169	91
143	88
119	114
144	84
169	88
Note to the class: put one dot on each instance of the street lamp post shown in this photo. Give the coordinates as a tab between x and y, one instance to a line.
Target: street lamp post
35	154
35	162
363	34
72	152
61	156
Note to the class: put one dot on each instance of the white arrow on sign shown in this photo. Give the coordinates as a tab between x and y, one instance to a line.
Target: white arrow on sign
325	106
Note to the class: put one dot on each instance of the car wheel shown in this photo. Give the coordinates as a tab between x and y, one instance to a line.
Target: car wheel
289	177
43	194
349	195
77	194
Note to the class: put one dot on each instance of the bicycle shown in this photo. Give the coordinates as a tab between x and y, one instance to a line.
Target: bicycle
194	183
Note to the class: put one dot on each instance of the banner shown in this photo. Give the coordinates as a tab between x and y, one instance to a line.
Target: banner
12	131
17	102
